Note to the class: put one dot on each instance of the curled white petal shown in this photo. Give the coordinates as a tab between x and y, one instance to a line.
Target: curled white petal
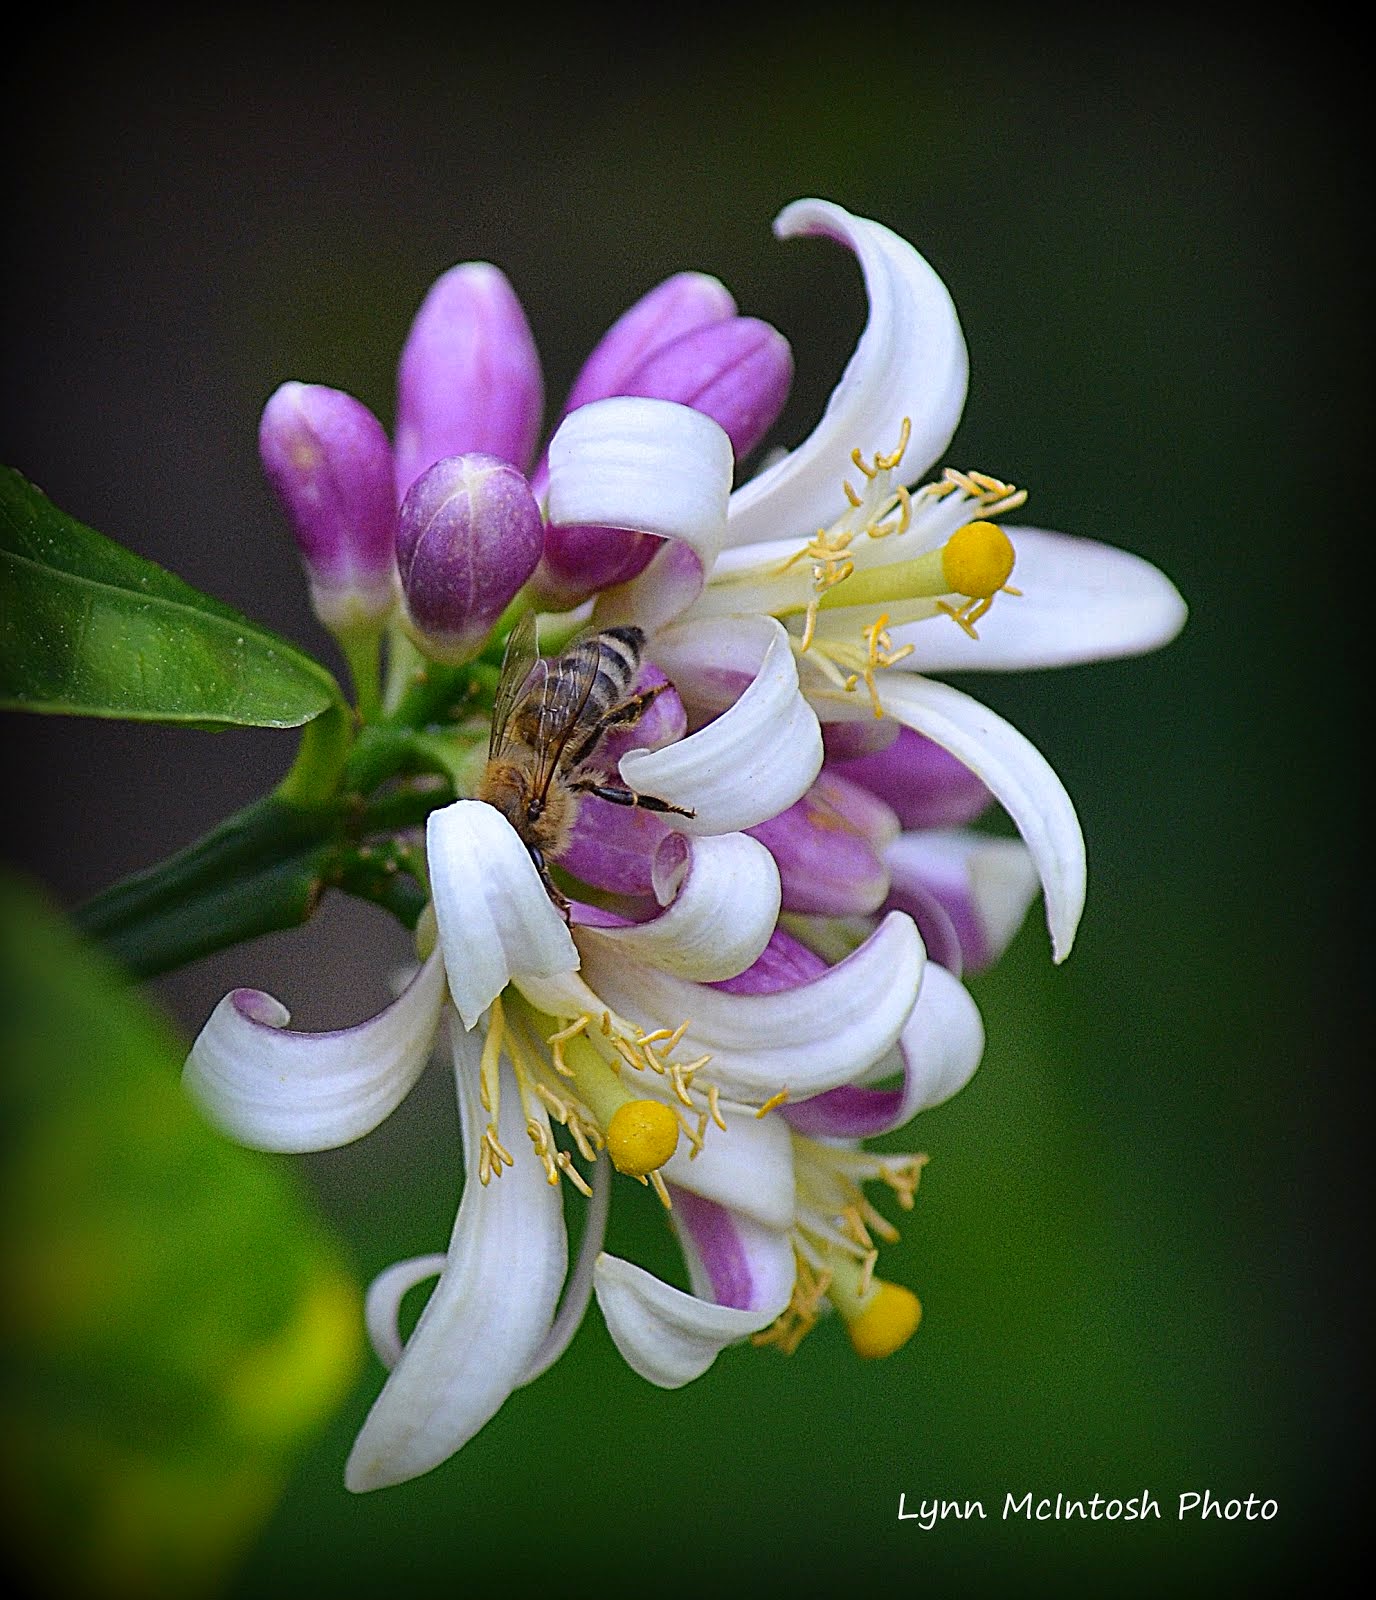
719	920
382	1306
1079	601
650	465
910	362
665	1335
806	1039
495	919
1020	778
749	764
491	1309
940	1047
276	1090
578	1290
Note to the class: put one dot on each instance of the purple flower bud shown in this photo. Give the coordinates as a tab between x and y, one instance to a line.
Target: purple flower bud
828	849
686	301
737	372
926	786
468	537
469	378
328	459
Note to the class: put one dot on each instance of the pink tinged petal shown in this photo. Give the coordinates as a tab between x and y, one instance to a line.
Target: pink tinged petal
937	1053
495	920
665	1335
673	308
721	898
828	847
578	1291
1079	601
731	1259
784	963
1020	778
847	741
752	762
983	885
805	1039
328	459
910	362
469	377
924	785
468	536
491	1309
613	847
382	1306
747	1166
276	1090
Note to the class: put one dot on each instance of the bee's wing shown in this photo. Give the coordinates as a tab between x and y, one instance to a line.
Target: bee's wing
562	702
516	681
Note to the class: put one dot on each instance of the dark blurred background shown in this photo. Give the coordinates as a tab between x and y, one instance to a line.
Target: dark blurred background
1136	1242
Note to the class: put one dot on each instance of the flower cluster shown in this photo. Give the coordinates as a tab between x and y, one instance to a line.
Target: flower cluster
763	969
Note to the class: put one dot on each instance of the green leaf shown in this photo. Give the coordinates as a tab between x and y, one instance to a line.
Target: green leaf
175	1324
91	629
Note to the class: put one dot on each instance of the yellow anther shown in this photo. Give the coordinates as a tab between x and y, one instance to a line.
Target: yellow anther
886	1322
641	1136
774	1101
978	560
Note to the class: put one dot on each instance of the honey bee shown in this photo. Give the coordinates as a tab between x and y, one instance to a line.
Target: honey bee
548	717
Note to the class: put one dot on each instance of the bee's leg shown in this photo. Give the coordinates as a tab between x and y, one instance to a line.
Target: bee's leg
551	888
619	796
623	715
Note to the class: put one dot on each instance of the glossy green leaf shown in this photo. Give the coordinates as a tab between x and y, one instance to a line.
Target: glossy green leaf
91	629
175	1322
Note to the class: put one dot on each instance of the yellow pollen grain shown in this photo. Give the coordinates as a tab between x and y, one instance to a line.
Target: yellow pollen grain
641	1137
886	1323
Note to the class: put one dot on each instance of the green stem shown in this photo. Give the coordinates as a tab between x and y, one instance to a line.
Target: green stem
262	869
362	650
320	759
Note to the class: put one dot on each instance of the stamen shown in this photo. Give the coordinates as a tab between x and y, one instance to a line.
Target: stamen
774	1101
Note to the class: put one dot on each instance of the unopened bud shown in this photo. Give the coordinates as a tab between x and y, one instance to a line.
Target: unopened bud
677	306
328	459
469	377
468	536
735	371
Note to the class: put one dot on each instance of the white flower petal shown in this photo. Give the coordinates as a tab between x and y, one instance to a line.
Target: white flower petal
578	1290
382	1306
495	919
748	1167
731	1259
749	764
940	1047
490	1311
910	362
275	1090
650	465
1020	778
806	1039
1080	601
720	919
665	1335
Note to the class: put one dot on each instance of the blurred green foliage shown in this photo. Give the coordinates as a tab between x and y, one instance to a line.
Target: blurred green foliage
176	1323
